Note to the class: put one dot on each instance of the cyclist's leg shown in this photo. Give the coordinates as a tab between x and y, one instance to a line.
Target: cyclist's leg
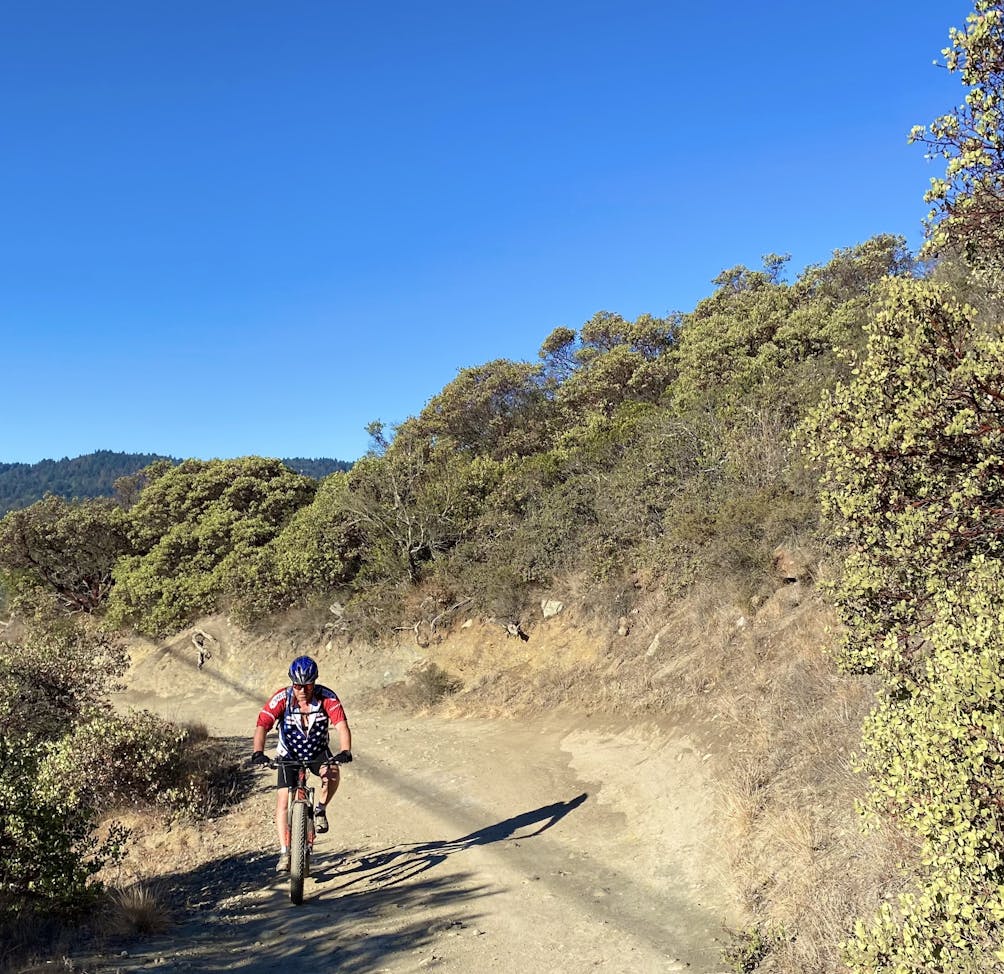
285	779
330	778
281	823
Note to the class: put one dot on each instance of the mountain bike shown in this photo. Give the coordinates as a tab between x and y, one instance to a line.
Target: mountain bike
300	822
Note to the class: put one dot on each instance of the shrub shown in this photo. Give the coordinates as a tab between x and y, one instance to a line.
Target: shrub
48	858
750	947
53	675
109	760
912	453
193	529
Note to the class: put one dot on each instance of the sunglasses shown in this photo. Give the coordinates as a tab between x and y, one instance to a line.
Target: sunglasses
302	686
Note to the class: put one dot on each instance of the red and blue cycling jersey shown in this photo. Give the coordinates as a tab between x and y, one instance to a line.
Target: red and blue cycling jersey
303	733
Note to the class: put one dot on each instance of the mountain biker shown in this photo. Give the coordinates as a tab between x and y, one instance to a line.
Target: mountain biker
305	712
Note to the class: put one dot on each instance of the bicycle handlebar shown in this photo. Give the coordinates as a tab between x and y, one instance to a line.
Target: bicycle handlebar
278	762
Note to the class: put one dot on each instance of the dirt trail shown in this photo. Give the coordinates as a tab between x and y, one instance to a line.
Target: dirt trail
456	846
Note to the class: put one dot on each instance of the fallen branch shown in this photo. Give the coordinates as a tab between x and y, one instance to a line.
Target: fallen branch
452	608
431	623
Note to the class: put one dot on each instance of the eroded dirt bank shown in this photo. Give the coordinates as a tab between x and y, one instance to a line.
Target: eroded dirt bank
555	844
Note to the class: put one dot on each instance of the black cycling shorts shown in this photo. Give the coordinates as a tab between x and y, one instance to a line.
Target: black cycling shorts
288	773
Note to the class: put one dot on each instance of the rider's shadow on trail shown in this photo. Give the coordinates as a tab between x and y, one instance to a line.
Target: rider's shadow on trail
403	862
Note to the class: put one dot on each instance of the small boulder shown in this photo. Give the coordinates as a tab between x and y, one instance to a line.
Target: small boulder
551	607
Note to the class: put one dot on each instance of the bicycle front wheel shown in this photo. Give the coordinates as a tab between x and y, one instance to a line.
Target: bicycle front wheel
297	851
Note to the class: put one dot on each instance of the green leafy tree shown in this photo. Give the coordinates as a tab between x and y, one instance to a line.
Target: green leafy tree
529	510
559	353
495	410
968	201
66	547
318	551
195	529
760	341
610	361
128	489
409	507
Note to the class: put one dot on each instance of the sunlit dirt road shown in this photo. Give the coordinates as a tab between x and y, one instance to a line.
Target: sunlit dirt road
456	846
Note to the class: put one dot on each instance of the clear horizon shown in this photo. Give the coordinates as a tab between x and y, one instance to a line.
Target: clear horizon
234	230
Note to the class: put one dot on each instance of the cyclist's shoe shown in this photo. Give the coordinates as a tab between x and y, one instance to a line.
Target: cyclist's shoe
282	866
320	819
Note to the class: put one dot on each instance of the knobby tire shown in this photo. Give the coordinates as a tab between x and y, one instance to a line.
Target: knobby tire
297	852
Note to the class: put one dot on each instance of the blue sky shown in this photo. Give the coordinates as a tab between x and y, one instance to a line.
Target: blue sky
236	228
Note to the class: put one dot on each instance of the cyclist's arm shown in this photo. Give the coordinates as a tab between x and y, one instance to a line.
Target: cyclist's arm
267	717
344	735
333	708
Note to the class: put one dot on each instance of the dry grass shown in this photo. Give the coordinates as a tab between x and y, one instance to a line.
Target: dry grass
800	848
197	731
35	943
423	688
743	797
140	908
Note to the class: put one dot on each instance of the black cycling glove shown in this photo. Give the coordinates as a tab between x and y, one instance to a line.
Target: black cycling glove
258	759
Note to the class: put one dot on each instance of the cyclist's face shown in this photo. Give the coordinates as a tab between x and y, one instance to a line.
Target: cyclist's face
303	689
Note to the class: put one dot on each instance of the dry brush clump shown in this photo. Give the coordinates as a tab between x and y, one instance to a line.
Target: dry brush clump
138	909
425	685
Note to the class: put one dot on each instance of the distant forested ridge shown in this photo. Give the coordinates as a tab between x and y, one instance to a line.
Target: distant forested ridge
94	475
318	468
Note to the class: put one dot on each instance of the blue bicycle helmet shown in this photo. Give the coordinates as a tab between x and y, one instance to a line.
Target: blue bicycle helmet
303	670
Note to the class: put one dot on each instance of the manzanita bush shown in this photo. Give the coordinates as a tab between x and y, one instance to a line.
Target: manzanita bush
912	454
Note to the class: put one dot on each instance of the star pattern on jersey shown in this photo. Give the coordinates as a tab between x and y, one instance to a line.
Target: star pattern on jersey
300	743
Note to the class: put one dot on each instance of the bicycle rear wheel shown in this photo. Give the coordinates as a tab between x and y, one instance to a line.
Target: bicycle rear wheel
297	851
